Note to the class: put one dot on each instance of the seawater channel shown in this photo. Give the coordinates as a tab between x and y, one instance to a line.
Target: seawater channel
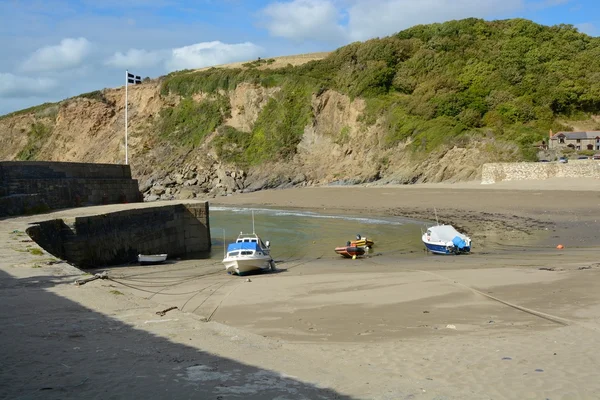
295	234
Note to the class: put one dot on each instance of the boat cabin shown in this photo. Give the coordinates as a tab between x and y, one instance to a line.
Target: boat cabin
252	238
244	249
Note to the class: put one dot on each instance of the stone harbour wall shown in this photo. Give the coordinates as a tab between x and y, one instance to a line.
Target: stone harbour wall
118	237
498	172
63	185
62	170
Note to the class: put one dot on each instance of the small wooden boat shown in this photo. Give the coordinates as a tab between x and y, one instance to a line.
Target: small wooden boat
146	259
350	251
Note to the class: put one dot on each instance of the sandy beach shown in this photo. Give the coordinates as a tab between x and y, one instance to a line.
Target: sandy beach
517	319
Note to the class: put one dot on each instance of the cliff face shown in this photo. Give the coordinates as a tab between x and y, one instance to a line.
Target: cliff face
81	129
336	146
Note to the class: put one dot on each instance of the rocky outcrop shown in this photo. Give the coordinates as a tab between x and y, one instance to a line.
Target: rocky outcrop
194	181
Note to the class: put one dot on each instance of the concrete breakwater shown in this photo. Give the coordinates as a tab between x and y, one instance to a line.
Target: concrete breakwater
498	172
118	237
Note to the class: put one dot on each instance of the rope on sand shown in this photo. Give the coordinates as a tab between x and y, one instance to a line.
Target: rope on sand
221	302
539	314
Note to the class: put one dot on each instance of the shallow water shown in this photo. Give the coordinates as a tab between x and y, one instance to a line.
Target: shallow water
304	234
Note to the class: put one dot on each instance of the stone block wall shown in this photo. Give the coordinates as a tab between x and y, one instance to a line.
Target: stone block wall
118	237
498	172
62	170
22	204
63	185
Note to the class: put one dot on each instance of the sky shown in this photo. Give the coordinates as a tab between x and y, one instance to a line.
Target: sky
54	49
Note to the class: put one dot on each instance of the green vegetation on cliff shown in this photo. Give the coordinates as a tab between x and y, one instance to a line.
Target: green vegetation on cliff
430	84
190	121
280	125
36	138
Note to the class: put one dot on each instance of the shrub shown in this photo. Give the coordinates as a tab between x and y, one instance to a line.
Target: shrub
429	84
37	136
189	122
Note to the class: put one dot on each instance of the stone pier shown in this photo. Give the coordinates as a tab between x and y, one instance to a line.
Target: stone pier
29	187
118	237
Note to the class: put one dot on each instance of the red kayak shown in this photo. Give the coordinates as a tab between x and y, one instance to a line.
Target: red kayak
350	251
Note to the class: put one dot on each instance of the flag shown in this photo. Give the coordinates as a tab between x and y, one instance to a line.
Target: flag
136	79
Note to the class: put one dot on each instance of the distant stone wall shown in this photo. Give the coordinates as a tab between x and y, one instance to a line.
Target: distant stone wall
498	172
118	237
63	185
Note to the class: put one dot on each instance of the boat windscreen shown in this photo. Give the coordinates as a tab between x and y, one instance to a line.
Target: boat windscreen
242	246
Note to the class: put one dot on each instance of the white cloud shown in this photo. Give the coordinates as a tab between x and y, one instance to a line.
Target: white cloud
207	54
304	19
588	28
198	55
349	20
372	18
135	58
68	54
13	86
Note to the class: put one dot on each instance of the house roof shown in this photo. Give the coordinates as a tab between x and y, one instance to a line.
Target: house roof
577	135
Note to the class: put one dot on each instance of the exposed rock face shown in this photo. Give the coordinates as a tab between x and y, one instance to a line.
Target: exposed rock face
336	148
247	101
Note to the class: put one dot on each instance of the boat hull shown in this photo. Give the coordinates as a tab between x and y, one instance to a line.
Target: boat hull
350	251
241	266
149	259
445	239
443	249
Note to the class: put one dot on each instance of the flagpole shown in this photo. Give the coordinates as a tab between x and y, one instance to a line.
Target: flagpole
126	81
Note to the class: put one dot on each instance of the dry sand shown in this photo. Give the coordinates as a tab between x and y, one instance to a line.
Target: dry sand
520	321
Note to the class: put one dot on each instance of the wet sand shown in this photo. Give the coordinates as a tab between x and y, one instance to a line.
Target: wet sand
517	319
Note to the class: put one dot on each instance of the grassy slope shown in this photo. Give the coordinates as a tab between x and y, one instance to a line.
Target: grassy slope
431	84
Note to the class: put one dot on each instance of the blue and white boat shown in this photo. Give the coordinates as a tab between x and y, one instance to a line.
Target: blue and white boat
444	239
244	257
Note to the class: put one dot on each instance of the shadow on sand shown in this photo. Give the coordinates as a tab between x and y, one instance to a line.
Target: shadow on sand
54	348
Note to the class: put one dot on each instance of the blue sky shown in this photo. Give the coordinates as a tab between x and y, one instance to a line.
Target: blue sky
53	49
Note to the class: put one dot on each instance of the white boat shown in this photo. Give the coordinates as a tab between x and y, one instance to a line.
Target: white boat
248	254
444	239
151	258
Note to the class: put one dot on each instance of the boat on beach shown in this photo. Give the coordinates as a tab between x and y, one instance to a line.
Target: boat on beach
248	254
362	242
147	259
350	251
444	239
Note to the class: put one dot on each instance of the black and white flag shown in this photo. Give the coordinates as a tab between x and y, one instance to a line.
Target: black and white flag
136	79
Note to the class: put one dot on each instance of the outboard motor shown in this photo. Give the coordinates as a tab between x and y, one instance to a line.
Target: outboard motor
268	244
358	237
